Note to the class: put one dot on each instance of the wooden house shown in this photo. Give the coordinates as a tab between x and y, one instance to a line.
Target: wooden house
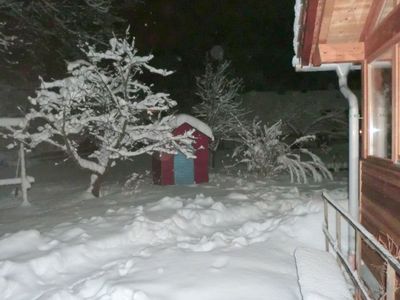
171	169
344	35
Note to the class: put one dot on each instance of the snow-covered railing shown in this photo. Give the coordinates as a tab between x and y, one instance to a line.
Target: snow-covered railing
362	234
23	179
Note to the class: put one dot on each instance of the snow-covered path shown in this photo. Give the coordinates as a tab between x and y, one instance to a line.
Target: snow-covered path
230	239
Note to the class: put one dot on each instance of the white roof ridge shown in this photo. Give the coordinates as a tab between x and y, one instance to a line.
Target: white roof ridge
195	123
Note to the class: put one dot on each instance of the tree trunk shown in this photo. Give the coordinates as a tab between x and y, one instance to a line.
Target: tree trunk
95	184
213	158
213	152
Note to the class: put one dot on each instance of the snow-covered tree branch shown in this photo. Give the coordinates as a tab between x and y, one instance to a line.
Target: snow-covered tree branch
104	101
264	151
51	28
329	124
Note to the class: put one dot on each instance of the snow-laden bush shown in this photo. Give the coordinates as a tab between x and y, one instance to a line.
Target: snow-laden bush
220	105
103	101
264	151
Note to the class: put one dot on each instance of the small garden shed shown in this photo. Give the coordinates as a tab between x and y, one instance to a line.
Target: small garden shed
169	169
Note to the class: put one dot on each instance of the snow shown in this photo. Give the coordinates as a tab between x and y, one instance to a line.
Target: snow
12	122
320	276
194	122
233	238
296	31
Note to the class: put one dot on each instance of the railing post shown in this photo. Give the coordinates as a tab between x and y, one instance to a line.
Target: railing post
357	262
326	223
358	251
24	180
390	282
338	232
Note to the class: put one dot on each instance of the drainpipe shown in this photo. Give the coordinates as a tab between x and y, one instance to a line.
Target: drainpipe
342	71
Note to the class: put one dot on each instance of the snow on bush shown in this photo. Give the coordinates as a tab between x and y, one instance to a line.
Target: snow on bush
6	41
104	101
264	150
220	106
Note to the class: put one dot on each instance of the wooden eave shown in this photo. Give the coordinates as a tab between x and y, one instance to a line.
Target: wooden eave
339	31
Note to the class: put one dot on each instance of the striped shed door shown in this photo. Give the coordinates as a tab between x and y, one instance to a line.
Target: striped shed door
183	169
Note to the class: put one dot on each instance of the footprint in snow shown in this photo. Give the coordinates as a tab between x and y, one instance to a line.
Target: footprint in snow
220	262
237	196
140	296
145	253
48	246
125	268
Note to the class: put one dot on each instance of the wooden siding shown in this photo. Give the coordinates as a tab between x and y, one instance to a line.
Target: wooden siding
380	207
380	203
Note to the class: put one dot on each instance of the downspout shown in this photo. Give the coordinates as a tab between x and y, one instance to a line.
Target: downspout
342	71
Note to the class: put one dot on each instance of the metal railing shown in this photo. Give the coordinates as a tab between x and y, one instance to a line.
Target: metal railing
362	235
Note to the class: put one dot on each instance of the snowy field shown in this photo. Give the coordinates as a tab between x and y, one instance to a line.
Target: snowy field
231	239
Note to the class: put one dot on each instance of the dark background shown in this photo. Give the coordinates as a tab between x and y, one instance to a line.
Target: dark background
257	36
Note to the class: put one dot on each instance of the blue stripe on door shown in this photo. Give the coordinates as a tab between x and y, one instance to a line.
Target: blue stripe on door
183	169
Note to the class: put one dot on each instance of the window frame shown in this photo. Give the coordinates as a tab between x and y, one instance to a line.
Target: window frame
395	139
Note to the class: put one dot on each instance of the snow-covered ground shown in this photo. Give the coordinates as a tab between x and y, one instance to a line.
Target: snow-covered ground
232	239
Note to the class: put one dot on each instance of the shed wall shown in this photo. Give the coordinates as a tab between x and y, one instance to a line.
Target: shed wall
167	169
201	146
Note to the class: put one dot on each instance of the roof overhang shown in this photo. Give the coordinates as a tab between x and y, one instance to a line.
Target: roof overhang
341	31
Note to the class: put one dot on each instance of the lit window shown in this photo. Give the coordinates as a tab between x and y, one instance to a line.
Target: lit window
380	107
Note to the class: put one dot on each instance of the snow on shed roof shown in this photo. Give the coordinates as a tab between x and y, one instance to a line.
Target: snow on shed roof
195	123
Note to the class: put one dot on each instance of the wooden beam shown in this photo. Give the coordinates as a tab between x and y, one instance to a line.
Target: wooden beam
318	23
316	58
396	102
365	110
326	21
386	34
372	18
337	53
309	29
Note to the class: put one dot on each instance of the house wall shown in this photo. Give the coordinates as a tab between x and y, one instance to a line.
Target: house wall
380	210
380	174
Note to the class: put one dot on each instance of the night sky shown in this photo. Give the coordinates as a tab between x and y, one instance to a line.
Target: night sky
257	36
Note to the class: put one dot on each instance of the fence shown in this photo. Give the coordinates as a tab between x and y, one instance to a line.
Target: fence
21	178
362	235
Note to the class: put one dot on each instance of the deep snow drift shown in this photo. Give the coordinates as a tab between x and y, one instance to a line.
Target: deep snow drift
230	239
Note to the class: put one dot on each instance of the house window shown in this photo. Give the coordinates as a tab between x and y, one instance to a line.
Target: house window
380	106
